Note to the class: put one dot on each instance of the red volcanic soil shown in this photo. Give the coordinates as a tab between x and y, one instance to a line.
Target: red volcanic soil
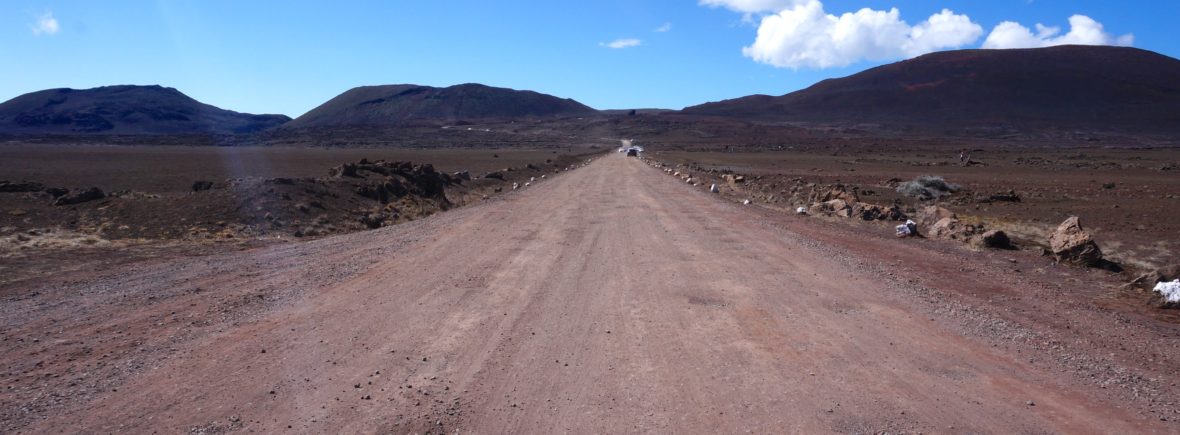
1122	196
609	299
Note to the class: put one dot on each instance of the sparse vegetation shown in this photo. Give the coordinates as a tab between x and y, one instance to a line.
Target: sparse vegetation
927	187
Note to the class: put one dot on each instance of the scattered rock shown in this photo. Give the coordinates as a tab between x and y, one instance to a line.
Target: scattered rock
837	207
202	185
56	191
345	170
871	212
24	186
840	192
1072	244
951	228
1148	280
86	195
1009	196
930	215
733	179
994	239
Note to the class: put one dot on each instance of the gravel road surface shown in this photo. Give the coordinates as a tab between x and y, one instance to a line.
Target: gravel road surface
609	299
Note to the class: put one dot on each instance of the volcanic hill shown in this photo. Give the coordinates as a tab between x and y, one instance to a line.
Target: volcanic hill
1057	87
392	105
125	110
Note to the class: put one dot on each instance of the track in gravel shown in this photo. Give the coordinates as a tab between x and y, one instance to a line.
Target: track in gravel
609	299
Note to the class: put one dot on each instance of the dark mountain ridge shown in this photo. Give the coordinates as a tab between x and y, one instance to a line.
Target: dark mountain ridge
391	105
123	110
1056	87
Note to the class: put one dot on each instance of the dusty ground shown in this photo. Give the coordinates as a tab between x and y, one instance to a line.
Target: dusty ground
608	299
253	196
1124	196
162	168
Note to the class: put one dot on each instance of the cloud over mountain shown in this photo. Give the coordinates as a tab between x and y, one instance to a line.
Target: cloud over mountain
1083	30
805	36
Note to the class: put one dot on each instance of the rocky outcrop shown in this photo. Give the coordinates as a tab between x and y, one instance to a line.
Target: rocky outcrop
1009	196
345	170
837	207
870	212
994	239
1072	244
1148	280
951	228
839	192
733	179
930	215
24	186
78	197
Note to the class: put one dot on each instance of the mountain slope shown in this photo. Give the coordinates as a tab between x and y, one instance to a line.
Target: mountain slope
1066	86
124	109
396	104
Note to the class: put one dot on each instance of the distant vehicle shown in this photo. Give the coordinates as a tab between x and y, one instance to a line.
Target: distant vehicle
632	152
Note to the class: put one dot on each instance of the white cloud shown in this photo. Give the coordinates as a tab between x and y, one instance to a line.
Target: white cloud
621	43
806	36
46	25
664	28
752	6
1083	30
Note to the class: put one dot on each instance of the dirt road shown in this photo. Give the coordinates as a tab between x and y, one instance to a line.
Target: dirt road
609	299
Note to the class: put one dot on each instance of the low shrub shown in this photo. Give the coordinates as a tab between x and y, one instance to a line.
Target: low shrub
927	187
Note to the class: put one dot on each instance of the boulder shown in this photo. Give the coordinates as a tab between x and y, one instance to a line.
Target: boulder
840	192
1009	196
733	179
836	207
495	175
930	215
994	239
79	197
202	185
56	192
1148	280
1072	244
345	170
950	228
24	186
871	212
373	220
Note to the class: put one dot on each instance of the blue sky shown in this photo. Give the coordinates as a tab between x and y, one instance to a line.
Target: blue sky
287	57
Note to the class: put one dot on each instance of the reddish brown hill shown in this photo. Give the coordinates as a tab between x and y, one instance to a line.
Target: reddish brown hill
1067	86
